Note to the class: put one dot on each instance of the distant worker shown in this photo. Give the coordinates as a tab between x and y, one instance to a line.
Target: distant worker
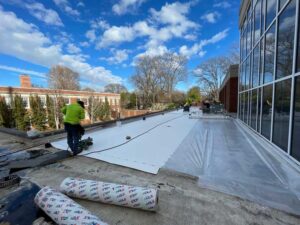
74	113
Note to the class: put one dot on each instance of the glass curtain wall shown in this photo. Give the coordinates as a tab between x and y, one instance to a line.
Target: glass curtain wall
269	83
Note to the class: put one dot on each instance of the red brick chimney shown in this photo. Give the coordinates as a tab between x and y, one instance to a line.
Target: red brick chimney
25	81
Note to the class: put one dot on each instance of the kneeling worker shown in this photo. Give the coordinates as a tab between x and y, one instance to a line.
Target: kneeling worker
74	113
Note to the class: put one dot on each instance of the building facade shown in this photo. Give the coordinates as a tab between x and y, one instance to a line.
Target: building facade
269	81
69	96
229	89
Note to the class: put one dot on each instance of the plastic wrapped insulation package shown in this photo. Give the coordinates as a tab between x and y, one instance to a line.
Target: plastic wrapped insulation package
63	210
117	194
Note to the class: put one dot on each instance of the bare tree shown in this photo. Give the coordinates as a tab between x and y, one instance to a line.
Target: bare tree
88	89
94	108
115	88
172	69
212	72
158	75
61	77
146	79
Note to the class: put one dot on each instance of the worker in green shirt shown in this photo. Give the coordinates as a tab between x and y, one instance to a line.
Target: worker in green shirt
74	113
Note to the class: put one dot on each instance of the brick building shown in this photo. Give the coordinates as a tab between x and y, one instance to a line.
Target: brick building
69	96
229	89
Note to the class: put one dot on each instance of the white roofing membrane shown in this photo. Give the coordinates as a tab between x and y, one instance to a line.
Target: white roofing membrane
148	152
225	156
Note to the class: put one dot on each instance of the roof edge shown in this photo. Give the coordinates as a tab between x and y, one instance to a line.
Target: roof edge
243	10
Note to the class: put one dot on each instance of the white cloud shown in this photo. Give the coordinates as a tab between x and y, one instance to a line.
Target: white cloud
23	71
73	49
84	44
118	57
171	13
48	16
80	4
33	46
197	49
202	53
223	4
91	35
169	22
99	24
126	6
65	6
116	35
190	37
211	17
155	51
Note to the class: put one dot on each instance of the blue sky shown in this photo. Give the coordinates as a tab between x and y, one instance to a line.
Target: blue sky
101	39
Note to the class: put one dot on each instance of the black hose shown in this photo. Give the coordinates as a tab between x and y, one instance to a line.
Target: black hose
126	142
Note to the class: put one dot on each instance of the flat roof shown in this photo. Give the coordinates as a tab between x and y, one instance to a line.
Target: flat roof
52	91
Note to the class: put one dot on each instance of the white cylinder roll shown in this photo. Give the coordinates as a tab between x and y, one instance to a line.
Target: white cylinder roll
117	194
63	210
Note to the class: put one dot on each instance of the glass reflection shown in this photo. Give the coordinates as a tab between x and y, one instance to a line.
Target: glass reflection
269	54
253	109
285	40
295	151
282	113
261	65
249	36
266	111
257	21
255	66
263	15
270	11
281	3
258	110
247	73
246	108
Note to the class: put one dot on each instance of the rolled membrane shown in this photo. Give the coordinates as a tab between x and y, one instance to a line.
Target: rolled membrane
117	194
63	210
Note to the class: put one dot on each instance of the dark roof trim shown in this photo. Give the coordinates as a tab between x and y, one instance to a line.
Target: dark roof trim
243	11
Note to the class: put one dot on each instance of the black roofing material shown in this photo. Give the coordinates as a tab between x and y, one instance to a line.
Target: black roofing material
39	161
18	206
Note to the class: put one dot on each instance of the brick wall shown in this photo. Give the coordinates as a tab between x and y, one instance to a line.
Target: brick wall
229	93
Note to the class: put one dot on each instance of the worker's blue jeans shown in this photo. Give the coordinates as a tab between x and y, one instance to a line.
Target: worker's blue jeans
73	137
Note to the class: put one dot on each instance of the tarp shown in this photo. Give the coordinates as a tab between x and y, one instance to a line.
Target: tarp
226	158
158	137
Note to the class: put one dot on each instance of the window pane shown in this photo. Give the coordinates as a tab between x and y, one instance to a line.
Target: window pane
246	108
253	109
271	11
255	71
266	111
261	70
269	54
298	50
245	45
258	111
263	15
247	75
257	21
282	113
249	36
242	105
285	40
295	151
281	3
